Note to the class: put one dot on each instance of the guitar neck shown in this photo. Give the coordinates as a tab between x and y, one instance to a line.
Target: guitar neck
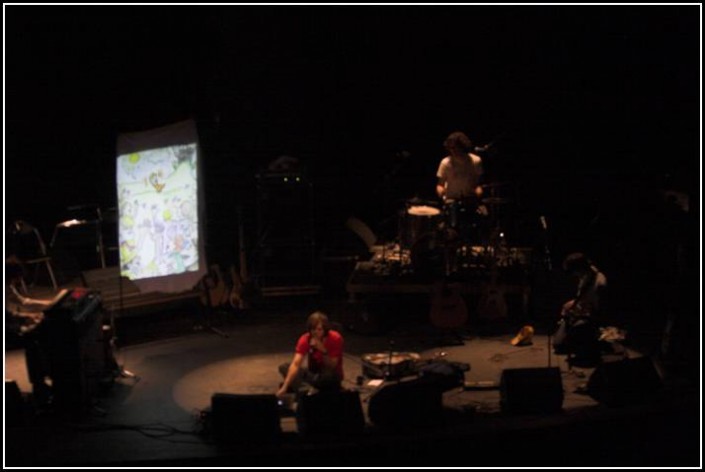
243	265
241	242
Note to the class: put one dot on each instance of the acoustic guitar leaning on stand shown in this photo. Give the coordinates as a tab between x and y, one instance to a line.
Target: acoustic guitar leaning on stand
241	290
215	293
448	309
492	305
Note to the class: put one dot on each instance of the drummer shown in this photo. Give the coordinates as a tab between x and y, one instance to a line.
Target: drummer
460	171
459	175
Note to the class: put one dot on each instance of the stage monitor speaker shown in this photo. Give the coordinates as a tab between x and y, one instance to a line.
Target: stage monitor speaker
330	413
531	390
238	418
417	402
625	382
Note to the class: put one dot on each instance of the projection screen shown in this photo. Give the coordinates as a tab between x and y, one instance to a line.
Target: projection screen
161	208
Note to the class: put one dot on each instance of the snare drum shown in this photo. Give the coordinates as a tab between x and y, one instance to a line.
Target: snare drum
419	220
464	217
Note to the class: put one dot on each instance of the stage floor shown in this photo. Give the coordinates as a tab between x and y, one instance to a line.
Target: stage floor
157	417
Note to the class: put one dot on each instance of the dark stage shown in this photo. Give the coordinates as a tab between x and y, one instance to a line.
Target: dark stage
157	419
320	131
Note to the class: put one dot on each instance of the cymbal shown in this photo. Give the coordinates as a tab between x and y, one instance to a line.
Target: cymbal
73	222
495	200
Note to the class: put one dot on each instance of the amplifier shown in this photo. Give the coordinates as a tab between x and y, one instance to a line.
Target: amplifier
76	348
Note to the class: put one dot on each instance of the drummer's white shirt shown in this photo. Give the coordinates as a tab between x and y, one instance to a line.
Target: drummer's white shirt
460	180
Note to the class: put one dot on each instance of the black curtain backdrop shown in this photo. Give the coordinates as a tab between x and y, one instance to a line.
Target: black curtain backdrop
591	110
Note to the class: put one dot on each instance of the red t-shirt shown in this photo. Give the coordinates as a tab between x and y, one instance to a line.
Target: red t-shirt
333	342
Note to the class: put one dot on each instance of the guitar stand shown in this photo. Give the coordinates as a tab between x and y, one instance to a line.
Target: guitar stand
126	374
212	329
215	330
118	371
570	356
206	325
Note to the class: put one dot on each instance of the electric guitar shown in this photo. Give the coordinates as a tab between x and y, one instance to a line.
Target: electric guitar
241	290
575	309
235	296
215	292
546	251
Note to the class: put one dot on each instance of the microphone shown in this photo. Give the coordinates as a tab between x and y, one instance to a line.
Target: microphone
484	148
312	345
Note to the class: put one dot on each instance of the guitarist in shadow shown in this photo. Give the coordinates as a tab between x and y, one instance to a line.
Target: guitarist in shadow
577	334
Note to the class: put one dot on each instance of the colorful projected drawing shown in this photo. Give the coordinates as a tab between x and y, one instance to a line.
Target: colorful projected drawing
158	201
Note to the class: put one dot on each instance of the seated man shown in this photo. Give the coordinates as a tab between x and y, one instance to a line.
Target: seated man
577	332
24	318
323	348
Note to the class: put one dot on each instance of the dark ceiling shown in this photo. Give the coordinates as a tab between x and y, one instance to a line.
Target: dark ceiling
586	106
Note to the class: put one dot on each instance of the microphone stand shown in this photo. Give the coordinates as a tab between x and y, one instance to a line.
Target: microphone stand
388	372
121	372
549	269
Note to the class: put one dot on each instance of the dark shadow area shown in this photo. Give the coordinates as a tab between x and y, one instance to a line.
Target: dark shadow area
159	415
320	130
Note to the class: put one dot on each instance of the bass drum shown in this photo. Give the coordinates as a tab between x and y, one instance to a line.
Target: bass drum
428	256
417	221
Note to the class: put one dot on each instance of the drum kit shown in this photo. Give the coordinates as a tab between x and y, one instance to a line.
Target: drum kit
442	239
